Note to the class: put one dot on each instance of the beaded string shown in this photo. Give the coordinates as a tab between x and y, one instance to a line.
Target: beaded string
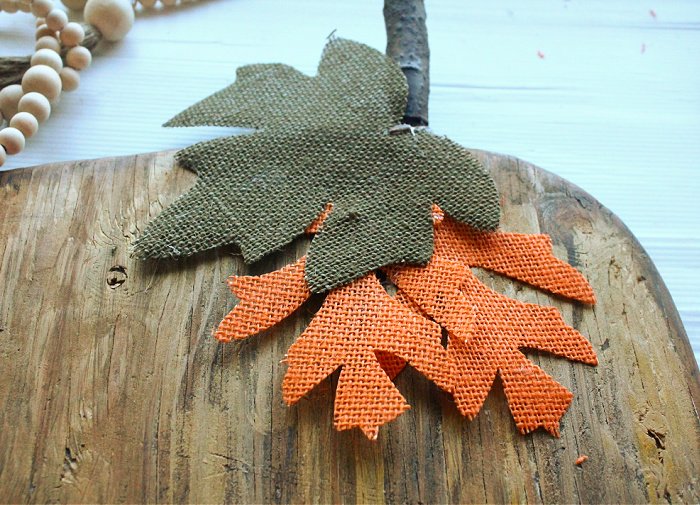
29	87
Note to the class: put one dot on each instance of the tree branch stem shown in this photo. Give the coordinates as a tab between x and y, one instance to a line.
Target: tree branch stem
407	45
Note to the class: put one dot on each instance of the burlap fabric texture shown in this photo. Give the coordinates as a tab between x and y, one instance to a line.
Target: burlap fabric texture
371	336
320	140
487	331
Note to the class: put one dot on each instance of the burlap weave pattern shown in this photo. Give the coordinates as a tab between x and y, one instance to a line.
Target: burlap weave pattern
264	301
325	160
267	299
354	322
367	334
321	139
527	258
447	291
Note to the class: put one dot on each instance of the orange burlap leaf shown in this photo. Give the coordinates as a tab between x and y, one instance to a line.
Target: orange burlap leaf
500	327
527	258
355	322
371	336
390	363
264	301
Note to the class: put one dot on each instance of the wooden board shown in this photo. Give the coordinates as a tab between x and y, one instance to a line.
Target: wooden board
112	389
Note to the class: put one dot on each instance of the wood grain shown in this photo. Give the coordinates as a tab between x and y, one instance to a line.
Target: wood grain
114	391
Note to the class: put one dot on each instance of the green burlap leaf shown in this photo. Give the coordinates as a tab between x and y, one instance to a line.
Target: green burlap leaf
320	140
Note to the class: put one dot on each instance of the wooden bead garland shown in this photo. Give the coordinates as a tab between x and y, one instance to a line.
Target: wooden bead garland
47	57
41	8
58	58
56	19
74	5
9	98
70	79
9	6
78	58
48	42
43	30
72	35
24	107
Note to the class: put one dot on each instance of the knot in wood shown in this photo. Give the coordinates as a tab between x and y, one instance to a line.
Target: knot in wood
116	276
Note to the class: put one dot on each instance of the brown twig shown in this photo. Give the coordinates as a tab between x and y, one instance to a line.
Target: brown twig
12	68
407	44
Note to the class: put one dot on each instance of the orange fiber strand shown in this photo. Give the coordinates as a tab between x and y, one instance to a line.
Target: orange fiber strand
356	321
264	301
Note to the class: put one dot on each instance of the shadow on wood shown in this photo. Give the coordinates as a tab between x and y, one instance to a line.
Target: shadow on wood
114	391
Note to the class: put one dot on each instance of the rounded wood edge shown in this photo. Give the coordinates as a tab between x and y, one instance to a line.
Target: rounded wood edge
550	183
360	463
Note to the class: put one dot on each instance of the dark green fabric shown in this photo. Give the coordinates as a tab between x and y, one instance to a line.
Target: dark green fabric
320	139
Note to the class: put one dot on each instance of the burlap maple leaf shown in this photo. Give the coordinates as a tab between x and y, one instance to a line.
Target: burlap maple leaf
371	336
320	139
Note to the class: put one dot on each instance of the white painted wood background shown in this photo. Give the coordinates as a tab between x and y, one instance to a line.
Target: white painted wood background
604	93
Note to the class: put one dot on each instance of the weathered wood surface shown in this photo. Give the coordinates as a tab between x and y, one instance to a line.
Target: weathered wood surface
112	389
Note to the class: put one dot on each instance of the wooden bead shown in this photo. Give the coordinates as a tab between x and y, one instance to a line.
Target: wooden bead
148	4
9	6
24	5
3	156
40	8
113	18
39	22
44	31
9	99
72	34
12	140
75	5
78	57
48	42
56	19
47	57
44	80
70	79
26	123
36	104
